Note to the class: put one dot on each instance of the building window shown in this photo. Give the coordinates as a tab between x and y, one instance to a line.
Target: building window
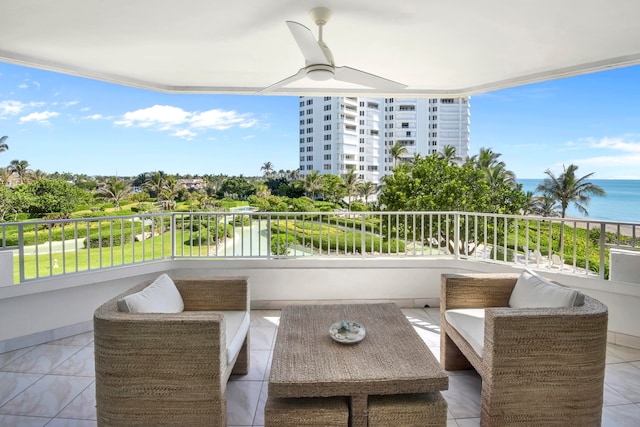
309	149
327	167
301	131
327	127
302	158
327	117
309	130
408	133
405	125
327	147
309	167
407	108
302	103
327	137
302	149
361	140
327	156
301	113
362	149
309	101
447	100
327	107
361	167
310	111
327	98
309	158
310	120
362	158
309	139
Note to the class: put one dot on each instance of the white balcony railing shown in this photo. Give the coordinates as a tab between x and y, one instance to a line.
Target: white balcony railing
43	249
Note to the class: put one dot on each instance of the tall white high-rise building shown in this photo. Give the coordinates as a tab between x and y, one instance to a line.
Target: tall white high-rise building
338	134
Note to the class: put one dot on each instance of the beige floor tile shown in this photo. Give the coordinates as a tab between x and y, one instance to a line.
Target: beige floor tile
468	422
624	378
46	397
242	402
69	422
258	420
626	354
621	416
80	364
12	355
82	407
463	396
22	421
76	340
12	383
42	359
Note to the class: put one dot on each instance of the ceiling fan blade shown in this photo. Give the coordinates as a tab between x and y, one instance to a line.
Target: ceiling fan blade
297	76
351	75
313	53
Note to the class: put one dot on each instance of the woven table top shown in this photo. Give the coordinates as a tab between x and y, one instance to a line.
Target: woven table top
392	359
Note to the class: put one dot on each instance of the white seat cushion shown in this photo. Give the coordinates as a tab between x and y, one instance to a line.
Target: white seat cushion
237	326
533	291
161	296
469	322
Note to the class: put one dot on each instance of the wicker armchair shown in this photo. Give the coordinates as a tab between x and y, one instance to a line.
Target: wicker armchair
540	366
168	369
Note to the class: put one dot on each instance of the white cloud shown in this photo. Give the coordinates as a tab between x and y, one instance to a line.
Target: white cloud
85	109
40	118
11	107
97	117
23	86
169	118
71	103
184	134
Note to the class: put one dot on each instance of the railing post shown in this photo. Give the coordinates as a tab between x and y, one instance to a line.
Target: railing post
603	240
21	251
363	237
456	236
268	236
174	247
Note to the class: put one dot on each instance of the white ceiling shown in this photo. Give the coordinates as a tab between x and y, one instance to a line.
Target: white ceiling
435	47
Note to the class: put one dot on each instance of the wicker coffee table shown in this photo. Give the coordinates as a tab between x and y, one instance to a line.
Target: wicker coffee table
391	360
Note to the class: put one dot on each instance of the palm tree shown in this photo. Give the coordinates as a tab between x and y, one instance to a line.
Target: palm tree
114	190
546	206
486	158
38	175
155	183
19	167
367	189
170	191
567	188
449	154
3	144
312	183
397	151
351	183
5	175
267	168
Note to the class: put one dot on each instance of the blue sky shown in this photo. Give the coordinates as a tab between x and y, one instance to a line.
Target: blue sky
70	124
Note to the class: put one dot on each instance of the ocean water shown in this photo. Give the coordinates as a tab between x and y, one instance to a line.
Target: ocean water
622	202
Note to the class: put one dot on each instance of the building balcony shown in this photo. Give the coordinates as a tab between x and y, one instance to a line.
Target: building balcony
46	316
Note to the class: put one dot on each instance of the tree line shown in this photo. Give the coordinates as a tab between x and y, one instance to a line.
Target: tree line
438	182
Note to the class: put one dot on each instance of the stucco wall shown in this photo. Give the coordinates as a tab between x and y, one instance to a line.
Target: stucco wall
43	310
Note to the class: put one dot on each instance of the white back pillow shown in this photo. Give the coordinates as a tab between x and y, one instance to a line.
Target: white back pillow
533	291
161	296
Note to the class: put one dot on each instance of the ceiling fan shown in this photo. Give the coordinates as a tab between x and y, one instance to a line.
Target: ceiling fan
319	63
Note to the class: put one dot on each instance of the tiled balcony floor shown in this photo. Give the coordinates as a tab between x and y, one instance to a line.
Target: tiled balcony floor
53	384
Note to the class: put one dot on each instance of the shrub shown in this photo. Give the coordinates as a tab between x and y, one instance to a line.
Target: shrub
358	207
280	243
107	238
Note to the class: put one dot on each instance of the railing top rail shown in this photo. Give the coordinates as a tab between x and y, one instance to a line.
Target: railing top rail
258	213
